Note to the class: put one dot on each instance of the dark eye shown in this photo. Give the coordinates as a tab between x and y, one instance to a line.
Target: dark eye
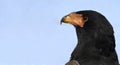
85	18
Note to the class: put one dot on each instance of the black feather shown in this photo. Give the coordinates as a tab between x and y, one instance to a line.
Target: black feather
96	42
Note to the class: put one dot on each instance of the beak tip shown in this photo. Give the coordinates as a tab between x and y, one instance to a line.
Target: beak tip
62	20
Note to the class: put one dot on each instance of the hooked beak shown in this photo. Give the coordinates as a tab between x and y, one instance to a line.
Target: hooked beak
75	19
65	19
62	20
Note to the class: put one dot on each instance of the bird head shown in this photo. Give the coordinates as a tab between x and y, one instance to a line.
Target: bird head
75	19
89	20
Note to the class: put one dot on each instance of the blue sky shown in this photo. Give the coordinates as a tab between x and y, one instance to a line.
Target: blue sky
31	34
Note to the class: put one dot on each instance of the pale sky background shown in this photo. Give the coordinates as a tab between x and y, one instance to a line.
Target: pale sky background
31	34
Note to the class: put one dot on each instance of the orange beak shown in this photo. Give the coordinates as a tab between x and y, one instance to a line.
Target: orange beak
75	19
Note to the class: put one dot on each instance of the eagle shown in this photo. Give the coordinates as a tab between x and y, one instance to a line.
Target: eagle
96	41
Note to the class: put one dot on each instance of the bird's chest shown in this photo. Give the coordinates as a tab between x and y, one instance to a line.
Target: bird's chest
86	44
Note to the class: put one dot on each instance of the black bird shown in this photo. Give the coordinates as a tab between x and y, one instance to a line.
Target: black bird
96	42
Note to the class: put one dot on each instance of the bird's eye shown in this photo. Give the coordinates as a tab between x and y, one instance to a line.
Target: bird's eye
85	19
